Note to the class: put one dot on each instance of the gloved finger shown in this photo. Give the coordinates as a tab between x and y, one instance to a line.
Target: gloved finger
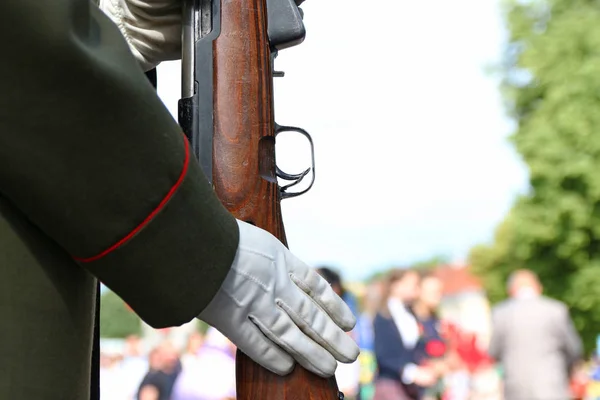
321	292
250	340
306	352
317	325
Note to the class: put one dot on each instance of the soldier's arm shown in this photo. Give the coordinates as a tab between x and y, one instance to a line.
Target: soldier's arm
91	156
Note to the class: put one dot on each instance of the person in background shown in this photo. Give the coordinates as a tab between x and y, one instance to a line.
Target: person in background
396	339
194	344
153	386
164	369
371	303
110	380
133	367
535	342
347	375
212	376
366	338
335	281
432	349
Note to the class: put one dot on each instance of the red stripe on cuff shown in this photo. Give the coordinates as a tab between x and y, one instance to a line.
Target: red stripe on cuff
151	216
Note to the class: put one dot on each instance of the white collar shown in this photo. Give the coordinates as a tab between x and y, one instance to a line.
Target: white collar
405	322
396	305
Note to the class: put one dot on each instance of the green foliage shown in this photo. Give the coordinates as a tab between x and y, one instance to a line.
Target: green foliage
551	87
378	275
430	263
116	319
421	265
202	327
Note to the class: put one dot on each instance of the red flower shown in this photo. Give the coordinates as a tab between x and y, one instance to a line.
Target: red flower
435	348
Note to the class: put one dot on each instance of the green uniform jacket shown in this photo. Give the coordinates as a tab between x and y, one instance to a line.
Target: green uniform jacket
96	181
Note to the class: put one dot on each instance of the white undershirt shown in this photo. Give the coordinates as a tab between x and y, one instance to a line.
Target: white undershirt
405	322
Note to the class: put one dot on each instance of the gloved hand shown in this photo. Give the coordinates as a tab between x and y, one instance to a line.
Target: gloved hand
152	28
276	309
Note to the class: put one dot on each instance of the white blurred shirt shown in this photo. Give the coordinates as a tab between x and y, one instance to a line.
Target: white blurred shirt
210	376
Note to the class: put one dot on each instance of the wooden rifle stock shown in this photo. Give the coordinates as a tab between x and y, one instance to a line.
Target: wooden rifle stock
226	111
244	170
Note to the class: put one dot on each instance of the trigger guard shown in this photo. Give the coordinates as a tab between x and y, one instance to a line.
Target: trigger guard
296	178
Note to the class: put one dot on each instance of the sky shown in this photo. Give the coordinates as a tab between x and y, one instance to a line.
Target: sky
410	134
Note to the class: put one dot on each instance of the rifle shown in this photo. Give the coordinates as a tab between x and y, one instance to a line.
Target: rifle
226	111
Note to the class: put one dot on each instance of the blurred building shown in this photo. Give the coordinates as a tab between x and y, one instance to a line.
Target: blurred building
465	302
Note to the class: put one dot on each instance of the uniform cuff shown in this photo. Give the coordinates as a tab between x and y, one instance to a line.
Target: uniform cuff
170	268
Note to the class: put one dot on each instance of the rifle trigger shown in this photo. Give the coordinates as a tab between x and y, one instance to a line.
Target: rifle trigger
291	177
296	178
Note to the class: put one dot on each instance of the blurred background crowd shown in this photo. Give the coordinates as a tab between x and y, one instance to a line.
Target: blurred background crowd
433	320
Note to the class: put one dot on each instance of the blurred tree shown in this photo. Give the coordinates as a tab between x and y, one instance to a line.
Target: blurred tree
551	84
117	320
421	265
202	327
378	275
430	263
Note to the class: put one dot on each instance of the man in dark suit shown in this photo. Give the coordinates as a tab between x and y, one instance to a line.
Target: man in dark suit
535	341
97	182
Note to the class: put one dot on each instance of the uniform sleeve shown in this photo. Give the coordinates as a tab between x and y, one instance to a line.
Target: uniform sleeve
91	156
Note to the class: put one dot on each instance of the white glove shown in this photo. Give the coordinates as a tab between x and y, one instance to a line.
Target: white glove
276	309
152	28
